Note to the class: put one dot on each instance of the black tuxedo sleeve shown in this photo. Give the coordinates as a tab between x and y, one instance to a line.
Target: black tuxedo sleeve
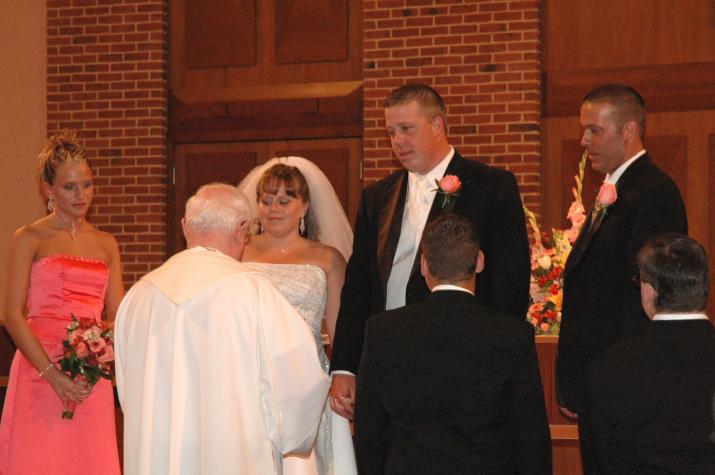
371	418
506	248
527	418
356	296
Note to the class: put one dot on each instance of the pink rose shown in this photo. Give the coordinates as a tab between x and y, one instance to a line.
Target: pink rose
607	195
108	355
544	327
82	350
96	344
450	184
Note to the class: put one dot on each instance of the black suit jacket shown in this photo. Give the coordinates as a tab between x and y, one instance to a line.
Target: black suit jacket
449	386
651	401
601	305
489	197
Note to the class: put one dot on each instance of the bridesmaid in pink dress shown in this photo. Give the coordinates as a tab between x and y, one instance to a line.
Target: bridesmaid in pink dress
58	266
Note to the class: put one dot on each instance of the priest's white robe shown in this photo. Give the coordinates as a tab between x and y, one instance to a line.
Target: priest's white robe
216	372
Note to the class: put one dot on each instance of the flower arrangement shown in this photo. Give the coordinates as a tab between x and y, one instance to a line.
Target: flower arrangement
88	353
448	187
548	259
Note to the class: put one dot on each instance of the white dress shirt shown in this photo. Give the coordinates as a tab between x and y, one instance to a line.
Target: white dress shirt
421	190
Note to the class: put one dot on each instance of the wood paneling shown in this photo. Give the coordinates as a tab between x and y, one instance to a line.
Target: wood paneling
310	31
564	90
220	33
583	34
324	50
711	245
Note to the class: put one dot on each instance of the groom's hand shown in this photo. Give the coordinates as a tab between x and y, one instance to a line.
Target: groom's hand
342	395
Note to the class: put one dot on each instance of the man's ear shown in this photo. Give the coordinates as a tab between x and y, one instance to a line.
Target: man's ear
480	262
630	129
438	125
423	266
184	229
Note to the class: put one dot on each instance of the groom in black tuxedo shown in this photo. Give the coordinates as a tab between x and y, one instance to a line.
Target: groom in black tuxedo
601	306
448	385
383	271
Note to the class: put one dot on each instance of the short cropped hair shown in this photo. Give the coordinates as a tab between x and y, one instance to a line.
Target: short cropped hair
677	268
628	104
218	207
450	244
429	99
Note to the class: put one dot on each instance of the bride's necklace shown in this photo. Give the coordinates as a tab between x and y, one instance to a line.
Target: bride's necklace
286	249
73	225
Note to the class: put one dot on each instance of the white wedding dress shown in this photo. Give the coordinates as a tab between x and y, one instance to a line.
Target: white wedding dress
305	287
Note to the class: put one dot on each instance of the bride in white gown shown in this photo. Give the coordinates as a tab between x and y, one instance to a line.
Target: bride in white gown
302	241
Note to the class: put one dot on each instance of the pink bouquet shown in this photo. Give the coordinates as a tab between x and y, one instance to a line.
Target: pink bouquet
88	354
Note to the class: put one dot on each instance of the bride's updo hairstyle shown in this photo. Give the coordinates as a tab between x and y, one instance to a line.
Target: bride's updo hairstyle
295	186
60	149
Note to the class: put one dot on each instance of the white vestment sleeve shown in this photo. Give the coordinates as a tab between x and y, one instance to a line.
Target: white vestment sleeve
293	385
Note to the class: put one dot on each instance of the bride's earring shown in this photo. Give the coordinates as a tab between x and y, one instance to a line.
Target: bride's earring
301	226
51	205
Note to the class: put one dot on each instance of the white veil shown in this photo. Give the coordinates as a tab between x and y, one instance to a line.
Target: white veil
325	207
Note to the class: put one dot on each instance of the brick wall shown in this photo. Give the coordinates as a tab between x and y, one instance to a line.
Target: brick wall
483	56
106	78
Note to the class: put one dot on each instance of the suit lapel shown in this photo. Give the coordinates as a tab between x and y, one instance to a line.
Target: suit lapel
455	167
389	225
591	227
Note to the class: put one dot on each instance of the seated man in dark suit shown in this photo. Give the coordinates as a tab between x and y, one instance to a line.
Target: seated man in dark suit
447	385
652	395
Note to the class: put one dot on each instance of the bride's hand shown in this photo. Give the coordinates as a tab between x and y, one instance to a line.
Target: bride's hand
66	389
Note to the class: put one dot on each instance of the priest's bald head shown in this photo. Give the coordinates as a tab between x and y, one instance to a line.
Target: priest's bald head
217	217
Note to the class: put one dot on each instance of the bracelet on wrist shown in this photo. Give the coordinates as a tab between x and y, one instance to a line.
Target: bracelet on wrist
41	374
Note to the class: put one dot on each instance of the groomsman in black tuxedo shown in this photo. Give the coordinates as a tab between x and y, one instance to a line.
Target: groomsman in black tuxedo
383	272
448	385
601	306
651	397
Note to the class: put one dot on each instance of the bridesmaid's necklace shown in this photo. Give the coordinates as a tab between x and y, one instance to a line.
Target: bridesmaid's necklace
74	225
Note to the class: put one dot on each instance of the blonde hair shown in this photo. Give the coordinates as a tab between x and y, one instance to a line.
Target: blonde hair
60	149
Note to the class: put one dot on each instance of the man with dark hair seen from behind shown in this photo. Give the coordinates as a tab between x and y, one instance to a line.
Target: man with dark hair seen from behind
637	201
651	396
448	385
383	271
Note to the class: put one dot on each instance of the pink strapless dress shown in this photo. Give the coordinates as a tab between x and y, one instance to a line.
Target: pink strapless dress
33	437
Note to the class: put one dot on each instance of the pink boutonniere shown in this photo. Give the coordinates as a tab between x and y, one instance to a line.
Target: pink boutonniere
607	195
448	187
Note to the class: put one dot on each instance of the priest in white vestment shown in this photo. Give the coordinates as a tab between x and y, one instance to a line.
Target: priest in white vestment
216	372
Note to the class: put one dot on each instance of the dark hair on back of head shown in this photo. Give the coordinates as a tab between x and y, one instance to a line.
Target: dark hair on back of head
677	268
450	244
